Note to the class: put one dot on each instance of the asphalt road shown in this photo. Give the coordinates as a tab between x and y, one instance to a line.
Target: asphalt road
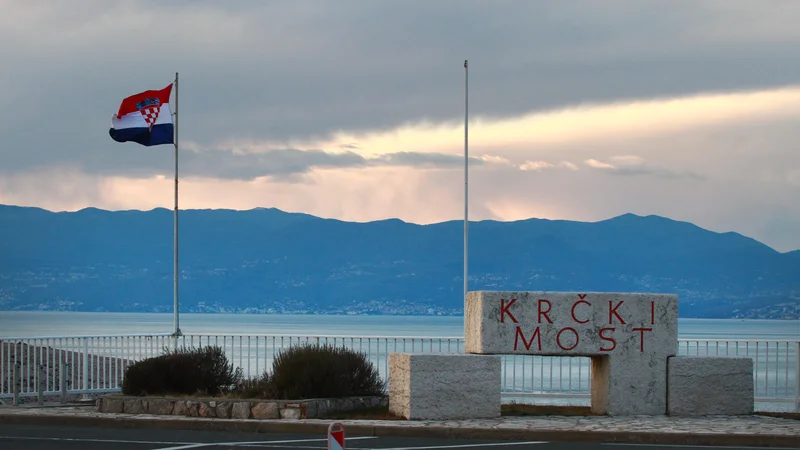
68	438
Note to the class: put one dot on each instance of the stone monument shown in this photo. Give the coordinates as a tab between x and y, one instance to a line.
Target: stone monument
627	336
631	338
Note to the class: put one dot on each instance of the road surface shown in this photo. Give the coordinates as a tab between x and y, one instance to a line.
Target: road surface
85	438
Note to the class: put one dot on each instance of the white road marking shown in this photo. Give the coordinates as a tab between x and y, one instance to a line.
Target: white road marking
180	445
690	446
110	441
268	445
492	444
256	443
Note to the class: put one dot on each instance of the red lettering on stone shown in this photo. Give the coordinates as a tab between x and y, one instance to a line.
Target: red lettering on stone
609	339
652	313
573	311
527	344
582	296
558	338
612	311
504	310
641	334
544	313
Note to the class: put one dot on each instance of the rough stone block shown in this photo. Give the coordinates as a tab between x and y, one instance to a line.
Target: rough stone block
323	408
223	410
266	410
291	412
207	409
629	337
159	406
240	410
193	408
111	405
311	409
700	386
180	408
134	406
444	386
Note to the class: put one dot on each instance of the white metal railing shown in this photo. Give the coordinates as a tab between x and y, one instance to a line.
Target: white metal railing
97	364
69	365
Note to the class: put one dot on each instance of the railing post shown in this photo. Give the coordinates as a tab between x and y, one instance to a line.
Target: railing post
85	369
40	377
63	381
797	377
15	369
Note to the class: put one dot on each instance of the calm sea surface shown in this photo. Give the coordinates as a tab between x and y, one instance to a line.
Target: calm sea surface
27	324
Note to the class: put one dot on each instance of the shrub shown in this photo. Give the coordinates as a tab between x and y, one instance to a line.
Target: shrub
256	388
314	371
202	371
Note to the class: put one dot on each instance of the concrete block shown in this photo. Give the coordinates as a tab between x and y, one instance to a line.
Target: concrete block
629	337
444	387
700	386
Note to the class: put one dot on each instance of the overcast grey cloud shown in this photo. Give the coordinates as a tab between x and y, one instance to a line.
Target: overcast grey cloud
352	109
281	69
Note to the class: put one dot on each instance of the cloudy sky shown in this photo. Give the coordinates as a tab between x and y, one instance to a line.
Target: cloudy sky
579	110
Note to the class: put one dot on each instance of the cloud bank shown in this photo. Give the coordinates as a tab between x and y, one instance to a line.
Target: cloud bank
577	110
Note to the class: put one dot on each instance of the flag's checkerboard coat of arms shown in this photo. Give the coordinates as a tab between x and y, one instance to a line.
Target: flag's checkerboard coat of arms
149	108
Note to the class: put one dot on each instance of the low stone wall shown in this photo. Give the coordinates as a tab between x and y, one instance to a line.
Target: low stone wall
234	408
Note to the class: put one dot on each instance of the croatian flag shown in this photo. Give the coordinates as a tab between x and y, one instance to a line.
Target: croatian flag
144	118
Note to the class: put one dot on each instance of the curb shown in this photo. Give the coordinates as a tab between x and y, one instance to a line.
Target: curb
320	427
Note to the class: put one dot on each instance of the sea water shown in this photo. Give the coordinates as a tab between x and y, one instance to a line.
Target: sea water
45	323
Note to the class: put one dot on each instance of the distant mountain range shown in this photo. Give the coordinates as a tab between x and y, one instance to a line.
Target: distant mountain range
267	260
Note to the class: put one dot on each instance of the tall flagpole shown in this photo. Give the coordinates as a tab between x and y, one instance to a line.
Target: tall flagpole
466	179
176	311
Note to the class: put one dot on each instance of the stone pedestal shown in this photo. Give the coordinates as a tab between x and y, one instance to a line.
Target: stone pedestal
444	387
700	386
628	336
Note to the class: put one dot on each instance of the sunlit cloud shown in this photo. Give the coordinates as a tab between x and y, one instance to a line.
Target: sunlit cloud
511	139
636	165
535	166
598	165
576	124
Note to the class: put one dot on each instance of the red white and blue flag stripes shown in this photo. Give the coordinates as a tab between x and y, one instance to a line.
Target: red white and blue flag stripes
144	118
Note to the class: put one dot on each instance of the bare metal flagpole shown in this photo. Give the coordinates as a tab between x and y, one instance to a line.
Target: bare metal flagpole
176	311
466	180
